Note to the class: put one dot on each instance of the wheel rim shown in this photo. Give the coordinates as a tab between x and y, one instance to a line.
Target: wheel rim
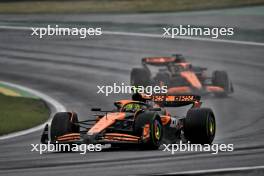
211	126
157	130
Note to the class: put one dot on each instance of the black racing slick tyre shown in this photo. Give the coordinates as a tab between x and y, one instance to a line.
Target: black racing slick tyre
199	126
220	78
139	77
63	123
152	121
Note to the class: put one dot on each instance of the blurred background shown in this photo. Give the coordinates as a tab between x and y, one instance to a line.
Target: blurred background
127	6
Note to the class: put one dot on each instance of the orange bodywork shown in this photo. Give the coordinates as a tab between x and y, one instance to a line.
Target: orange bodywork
106	121
69	137
184	64
197	104
146	130
214	89
181	89
192	78
120	137
165	119
160	59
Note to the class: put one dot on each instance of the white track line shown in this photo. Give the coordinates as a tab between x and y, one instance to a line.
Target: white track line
212	171
157	36
58	108
185	38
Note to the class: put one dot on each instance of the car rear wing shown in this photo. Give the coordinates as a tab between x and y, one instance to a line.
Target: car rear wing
176	100
158	60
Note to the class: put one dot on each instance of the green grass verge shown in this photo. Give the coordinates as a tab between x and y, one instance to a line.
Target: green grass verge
127	6
19	113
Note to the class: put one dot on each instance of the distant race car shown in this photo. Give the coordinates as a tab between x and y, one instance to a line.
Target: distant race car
180	77
140	121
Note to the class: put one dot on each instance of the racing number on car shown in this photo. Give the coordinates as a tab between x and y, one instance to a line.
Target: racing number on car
185	98
158	98
171	98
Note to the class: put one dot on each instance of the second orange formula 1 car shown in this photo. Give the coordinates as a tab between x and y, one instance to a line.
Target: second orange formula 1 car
180	77
141	121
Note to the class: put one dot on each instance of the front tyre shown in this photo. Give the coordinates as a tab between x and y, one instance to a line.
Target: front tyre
63	123
149	126
220	78
199	126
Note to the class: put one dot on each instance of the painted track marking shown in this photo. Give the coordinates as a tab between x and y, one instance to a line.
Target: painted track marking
214	171
156	36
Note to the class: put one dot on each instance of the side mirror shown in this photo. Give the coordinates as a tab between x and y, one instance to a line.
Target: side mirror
96	109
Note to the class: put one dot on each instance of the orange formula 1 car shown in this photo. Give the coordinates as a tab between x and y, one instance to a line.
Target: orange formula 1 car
180	77
141	121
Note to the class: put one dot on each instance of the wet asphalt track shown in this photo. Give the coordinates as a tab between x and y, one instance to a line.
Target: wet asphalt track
69	69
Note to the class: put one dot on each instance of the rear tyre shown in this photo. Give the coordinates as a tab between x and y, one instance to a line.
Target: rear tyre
155	132
199	126
139	77
220	78
63	123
